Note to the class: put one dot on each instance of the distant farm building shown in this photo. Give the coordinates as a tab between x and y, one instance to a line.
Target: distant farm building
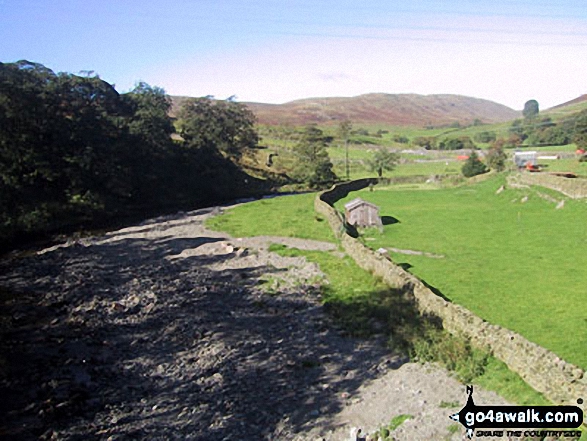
361	213
523	159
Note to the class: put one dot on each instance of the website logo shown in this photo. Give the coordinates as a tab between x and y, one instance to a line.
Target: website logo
474	417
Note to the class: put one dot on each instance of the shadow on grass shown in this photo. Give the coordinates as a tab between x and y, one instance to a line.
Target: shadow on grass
388	312
436	291
389	220
405	266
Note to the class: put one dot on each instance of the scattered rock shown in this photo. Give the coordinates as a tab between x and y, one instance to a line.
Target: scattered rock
150	332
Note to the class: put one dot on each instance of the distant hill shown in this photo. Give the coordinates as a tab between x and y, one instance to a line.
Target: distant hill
578	100
380	108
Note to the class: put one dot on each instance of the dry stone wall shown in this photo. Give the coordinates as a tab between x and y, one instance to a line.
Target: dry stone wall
559	381
575	188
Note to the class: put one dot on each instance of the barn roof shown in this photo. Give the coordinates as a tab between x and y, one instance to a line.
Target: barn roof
357	202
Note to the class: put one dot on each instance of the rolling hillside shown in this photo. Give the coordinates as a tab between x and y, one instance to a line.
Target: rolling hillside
577	100
379	108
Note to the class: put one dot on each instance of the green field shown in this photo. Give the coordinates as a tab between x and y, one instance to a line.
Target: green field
358	301
519	265
287	216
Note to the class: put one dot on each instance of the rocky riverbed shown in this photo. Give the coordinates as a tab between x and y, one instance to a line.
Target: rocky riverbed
167	330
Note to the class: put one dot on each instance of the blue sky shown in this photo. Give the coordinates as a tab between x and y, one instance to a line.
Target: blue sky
276	51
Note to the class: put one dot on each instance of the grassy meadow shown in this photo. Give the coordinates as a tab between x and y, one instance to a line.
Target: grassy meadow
516	264
286	216
361	304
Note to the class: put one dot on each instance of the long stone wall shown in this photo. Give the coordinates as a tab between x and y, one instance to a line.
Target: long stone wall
573	187
559	381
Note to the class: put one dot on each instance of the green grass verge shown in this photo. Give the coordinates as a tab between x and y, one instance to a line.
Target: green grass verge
359	302
287	216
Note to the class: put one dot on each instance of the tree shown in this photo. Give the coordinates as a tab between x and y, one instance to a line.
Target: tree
313	164
531	109
473	166
150	120
383	159
227	126
428	142
344	130
496	157
580	130
460	143
72	149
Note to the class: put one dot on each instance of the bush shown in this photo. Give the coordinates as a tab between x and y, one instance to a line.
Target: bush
473	166
454	353
427	142
460	143
496	158
485	137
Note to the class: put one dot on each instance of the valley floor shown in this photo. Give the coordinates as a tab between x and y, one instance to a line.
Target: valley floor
168	330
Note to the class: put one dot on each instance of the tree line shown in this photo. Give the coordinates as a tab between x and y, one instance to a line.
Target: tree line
74	151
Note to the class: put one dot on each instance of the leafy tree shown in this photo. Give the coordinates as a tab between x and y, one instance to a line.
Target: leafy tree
496	157
313	164
226	125
531	109
383	159
150	119
344	130
473	166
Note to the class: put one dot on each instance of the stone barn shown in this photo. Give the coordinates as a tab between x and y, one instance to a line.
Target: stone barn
361	213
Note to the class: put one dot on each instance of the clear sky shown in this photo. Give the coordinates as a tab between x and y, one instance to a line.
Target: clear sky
280	50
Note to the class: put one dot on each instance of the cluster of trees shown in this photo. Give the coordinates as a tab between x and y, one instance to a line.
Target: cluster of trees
534	130
541	131
74	150
431	143
460	143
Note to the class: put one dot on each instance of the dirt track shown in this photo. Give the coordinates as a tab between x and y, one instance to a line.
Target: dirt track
166	331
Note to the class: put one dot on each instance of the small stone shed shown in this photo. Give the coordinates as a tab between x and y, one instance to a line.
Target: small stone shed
361	213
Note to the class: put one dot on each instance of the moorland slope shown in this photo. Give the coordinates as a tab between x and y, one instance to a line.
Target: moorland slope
381	108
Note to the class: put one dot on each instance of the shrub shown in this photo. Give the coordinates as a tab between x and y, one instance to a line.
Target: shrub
473	166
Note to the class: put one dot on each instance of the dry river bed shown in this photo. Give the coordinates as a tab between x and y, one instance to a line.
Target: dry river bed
167	330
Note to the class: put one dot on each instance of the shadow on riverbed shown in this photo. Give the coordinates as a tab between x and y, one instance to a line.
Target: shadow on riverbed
115	340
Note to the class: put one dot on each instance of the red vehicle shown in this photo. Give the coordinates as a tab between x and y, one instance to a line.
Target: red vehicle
532	168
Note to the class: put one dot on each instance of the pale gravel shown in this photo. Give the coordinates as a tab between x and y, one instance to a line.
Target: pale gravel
182	341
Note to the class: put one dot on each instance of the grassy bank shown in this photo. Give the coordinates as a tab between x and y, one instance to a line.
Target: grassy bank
364	306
